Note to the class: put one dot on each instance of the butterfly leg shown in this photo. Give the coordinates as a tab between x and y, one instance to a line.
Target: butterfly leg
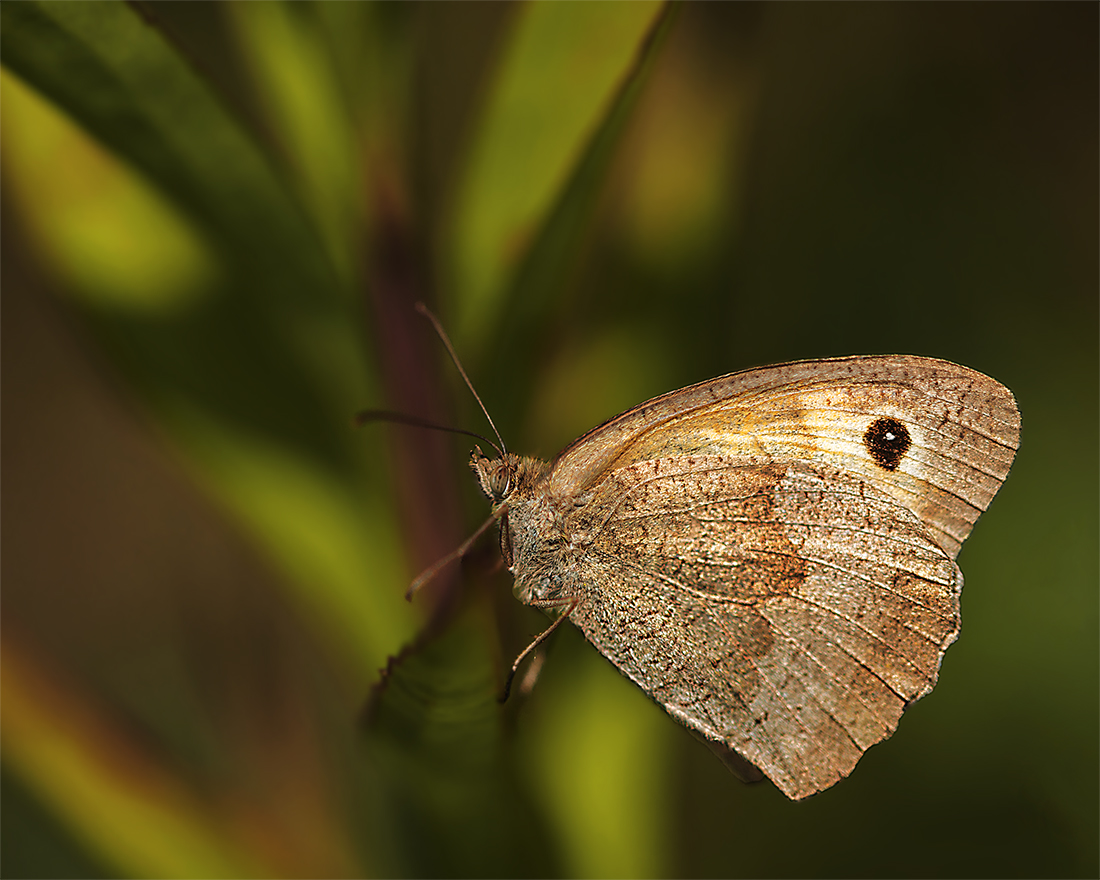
539	639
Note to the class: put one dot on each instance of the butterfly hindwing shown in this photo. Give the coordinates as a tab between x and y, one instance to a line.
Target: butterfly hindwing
788	612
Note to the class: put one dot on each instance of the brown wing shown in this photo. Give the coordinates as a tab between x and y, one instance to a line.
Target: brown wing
789	611
962	430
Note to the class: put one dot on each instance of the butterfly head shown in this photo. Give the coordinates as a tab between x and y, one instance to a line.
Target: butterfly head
500	477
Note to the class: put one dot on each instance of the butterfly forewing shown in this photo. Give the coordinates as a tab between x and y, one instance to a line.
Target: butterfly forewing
963	429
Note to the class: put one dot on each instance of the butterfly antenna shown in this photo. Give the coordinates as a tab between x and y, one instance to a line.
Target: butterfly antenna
427	313
388	415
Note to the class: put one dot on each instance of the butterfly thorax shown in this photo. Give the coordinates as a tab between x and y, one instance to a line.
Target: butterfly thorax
532	536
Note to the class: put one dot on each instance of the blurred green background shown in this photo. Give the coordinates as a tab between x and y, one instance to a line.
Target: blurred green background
216	220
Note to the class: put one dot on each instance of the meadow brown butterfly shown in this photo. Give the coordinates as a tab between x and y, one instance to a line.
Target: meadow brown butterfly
769	555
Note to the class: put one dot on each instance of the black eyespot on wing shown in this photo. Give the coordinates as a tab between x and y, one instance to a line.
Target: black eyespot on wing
887	440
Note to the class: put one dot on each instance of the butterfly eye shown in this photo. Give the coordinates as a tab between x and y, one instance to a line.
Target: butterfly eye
887	440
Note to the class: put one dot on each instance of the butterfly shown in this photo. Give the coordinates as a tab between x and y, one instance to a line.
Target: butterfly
769	555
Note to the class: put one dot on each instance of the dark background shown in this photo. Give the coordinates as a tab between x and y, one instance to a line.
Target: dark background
182	672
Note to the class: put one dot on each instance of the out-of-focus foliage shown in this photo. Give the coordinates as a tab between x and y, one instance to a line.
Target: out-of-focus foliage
217	219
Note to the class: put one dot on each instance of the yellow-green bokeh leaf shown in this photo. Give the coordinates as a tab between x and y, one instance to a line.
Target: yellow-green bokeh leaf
133	811
680	178
127	85
600	764
336	545
85	208
294	70
438	738
559	73
538	289
255	380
